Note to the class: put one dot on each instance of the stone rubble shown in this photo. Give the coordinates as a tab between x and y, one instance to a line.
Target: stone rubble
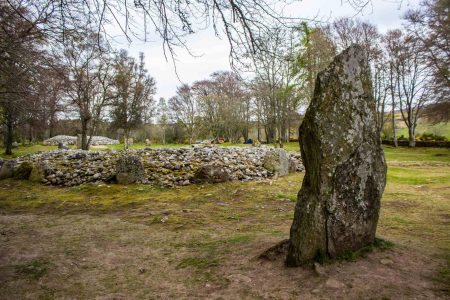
72	140
163	167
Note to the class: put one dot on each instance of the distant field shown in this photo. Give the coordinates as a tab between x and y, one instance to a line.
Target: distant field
442	129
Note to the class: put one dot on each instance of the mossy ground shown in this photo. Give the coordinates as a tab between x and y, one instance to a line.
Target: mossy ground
139	241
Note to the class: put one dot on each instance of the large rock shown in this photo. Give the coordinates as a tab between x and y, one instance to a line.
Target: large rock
339	202
8	168
129	169
211	174
23	171
276	161
40	170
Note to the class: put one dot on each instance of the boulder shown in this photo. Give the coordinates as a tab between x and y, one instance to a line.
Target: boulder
129	169
293	165
276	161
23	171
8	168
210	174
63	146
338	205
40	170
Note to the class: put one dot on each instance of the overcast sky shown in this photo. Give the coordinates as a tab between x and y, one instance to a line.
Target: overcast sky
213	52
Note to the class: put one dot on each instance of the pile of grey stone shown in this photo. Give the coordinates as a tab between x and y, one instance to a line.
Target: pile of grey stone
72	140
60	139
162	167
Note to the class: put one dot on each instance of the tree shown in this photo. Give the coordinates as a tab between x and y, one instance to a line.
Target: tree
392	44
163	118
133	93
239	21
430	27
20	55
88	65
412	84
275	78
184	107
380	89
315	52
347	31
222	103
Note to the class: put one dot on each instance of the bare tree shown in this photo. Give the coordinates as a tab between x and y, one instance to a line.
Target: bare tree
222	102
21	52
185	109
89	80
430	27
392	42
240	21
347	31
412	84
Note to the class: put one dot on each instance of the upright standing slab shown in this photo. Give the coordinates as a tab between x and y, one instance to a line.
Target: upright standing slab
338	205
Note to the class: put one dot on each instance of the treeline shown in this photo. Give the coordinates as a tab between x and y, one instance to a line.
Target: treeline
51	72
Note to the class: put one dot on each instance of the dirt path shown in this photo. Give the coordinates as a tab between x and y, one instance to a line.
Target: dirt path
108	257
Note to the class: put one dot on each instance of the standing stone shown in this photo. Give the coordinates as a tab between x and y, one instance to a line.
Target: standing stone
8	168
63	146
277	162
129	169
339	202
40	170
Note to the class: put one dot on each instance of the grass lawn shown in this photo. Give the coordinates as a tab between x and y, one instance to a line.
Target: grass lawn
442	129
138	241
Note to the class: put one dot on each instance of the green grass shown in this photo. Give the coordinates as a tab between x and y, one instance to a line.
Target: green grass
34	269
442	129
405	154
197	262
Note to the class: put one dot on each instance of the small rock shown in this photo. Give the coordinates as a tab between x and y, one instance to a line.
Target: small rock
319	270
386	261
239	278
334	284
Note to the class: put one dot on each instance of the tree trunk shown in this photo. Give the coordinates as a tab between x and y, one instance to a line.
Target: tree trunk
393	128
8	136
84	130
51	127
412	136
125	141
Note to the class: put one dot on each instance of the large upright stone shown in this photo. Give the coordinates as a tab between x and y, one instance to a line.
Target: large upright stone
276	161
338	205
129	169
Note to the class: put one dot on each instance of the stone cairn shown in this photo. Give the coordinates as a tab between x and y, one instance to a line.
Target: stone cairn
161	167
339	202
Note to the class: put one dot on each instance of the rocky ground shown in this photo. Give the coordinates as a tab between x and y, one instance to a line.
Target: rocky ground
163	167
